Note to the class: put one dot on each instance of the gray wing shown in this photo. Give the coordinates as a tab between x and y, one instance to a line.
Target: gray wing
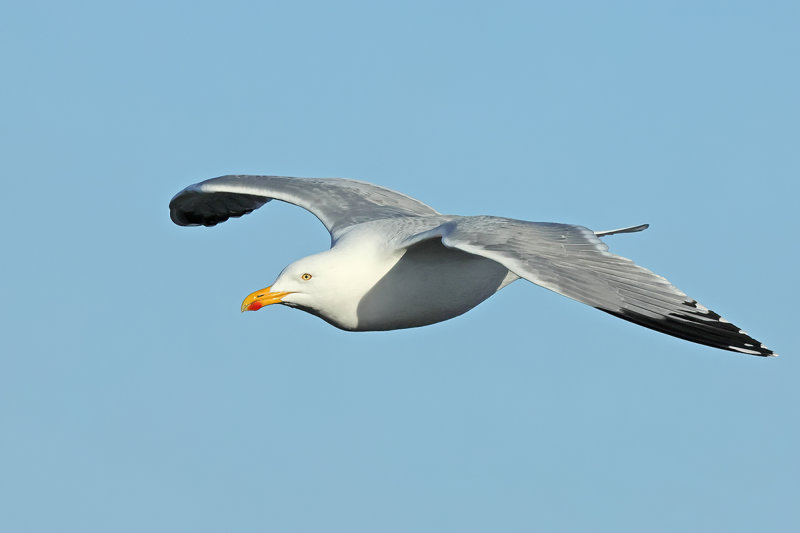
337	203
572	261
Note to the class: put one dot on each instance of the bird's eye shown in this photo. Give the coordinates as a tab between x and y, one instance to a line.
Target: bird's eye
306	276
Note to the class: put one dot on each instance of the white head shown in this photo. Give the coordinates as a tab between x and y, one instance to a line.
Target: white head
326	284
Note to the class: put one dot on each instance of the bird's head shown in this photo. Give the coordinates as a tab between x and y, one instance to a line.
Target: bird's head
320	284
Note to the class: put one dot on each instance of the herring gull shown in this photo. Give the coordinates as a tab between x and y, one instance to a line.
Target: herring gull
396	263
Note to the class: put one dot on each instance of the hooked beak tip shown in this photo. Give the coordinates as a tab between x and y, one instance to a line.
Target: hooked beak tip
262	298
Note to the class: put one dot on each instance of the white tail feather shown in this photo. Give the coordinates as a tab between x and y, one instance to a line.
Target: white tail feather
631	229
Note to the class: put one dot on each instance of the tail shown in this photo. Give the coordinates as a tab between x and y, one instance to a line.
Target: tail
632	229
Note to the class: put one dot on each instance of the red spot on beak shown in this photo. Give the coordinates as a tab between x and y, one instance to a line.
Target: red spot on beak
255	306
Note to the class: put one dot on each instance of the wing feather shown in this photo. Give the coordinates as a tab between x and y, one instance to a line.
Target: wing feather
337	203
572	261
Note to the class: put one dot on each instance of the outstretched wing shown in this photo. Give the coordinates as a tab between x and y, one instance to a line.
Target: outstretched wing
337	203
572	261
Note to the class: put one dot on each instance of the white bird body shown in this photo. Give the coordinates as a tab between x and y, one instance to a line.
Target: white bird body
396	263
369	282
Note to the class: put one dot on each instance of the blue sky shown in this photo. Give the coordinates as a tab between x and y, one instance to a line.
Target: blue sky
134	396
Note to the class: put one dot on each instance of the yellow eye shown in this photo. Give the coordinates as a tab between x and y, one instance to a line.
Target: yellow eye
306	276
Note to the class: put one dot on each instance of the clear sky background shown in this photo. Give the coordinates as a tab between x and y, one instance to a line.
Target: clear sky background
134	396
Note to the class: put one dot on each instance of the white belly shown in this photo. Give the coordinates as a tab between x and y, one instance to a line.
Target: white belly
429	284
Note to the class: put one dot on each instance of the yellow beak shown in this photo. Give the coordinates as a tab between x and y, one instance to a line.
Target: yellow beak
259	299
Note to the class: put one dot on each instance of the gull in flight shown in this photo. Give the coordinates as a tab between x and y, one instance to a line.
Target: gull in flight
396	263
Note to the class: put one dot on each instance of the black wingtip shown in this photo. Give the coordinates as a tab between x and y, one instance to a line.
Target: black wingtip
195	207
699	325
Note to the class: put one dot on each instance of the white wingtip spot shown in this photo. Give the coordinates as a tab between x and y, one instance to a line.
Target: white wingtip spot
773	354
744	350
